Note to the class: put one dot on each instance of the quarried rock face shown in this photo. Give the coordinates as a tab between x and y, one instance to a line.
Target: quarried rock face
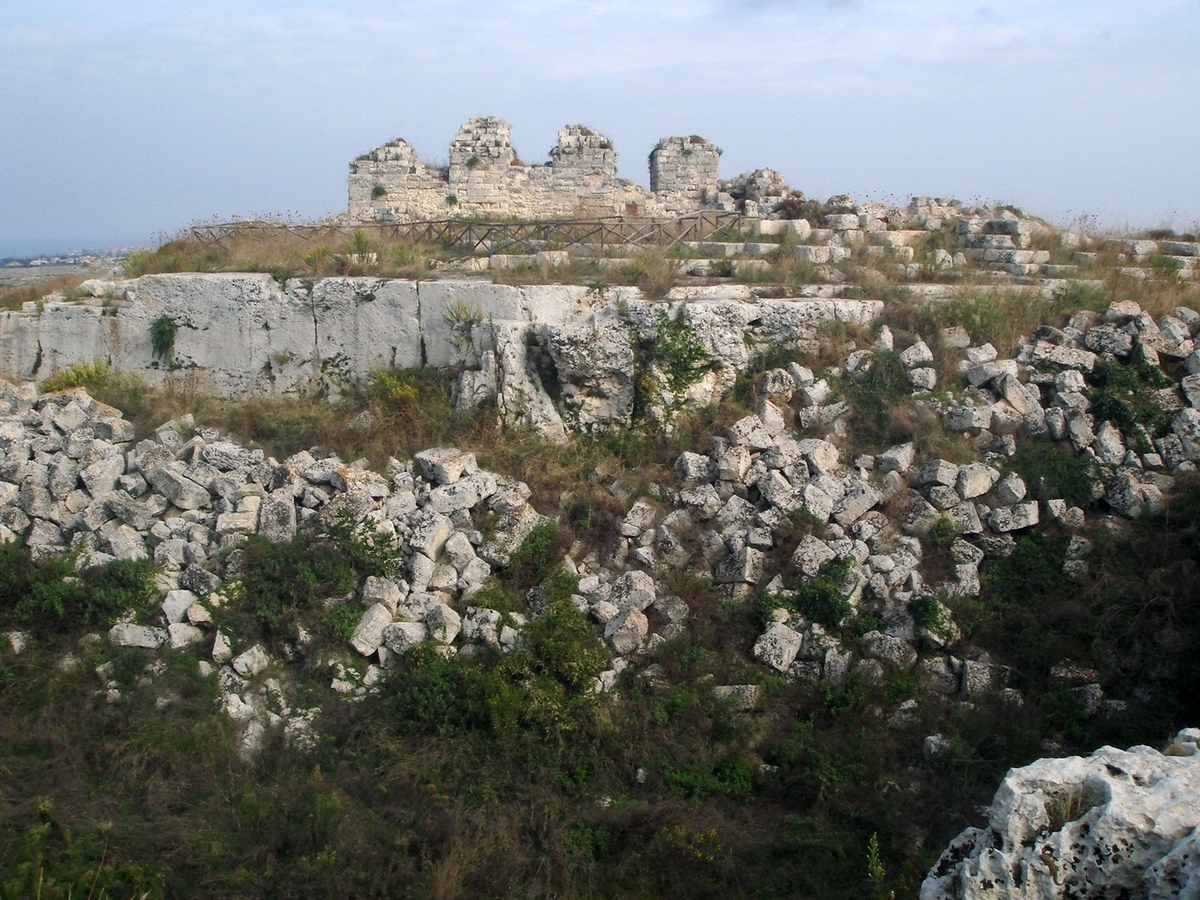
1119	823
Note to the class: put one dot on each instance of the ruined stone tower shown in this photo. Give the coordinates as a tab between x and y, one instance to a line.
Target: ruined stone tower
486	177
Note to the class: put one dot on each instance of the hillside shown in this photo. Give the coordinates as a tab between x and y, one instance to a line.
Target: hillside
346	584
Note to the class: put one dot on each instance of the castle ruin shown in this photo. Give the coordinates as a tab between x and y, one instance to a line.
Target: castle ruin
485	177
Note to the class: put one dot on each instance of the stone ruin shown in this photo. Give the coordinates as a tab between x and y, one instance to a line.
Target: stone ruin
485	177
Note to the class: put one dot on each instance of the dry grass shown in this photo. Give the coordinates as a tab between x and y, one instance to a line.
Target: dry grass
285	254
14	296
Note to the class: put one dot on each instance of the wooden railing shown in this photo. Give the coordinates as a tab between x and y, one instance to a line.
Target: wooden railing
617	232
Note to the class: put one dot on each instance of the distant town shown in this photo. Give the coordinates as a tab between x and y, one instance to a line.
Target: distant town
85	258
25	270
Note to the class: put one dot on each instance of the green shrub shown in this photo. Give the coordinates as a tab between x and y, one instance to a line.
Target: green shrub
341	619
821	599
530	563
675	349
874	395
545	687
730	777
1124	395
287	579
162	339
1052	471
369	550
943	533
926	612
48	595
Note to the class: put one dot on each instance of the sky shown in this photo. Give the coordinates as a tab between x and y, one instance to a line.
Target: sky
124	122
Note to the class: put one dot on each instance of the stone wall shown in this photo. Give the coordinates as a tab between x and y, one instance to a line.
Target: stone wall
683	172
485	177
241	335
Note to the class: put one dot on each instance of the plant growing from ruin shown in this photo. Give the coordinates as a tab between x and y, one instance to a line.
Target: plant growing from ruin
378	191
927	614
48	594
821	598
162	339
464	320
317	260
284	580
370	550
1124	395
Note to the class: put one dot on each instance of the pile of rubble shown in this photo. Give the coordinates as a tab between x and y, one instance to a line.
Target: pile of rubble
73	479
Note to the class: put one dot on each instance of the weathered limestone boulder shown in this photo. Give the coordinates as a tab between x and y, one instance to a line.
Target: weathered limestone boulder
172	482
444	465
1119	823
1014	518
125	634
368	634
778	646
888	648
251	662
627	630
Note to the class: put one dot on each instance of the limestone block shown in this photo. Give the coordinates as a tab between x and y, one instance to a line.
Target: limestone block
511	529
1105	825
750	432
742	567
1011	489
368	634
938	471
974	480
400	637
694	467
896	459
251	662
821	456
481	624
183	634
626	631
170	481
444	465
633	590
922	379
176	605
640	517
1013	518
462	494
778	646
988	373
124	634
888	648
1045	354
860	498
1109	444
443	623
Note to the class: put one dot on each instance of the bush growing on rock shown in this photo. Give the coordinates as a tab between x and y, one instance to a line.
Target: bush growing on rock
48	594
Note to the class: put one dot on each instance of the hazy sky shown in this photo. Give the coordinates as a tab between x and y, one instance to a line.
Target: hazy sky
125	121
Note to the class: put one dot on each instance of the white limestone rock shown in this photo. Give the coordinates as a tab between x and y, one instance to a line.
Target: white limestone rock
368	634
627	630
1116	823
251	662
124	634
778	646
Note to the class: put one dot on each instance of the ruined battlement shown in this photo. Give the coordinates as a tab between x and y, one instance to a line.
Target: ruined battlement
486	177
